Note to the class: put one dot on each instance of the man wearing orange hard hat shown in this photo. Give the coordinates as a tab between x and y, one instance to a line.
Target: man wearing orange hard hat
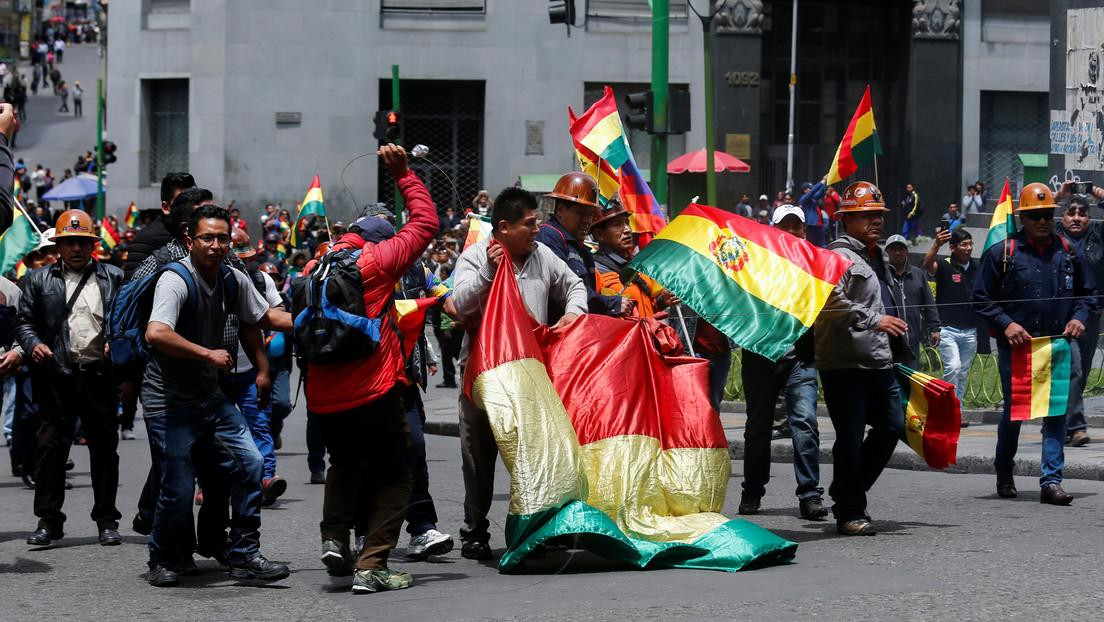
855	337
1034	285
60	326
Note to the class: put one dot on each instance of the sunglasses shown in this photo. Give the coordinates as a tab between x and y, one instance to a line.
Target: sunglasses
1036	216
1078	210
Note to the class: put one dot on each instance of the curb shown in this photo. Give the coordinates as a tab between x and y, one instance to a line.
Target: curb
987	416
782	452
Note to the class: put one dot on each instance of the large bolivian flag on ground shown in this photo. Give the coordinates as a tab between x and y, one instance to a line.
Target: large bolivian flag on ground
933	416
758	285
637	472
1041	373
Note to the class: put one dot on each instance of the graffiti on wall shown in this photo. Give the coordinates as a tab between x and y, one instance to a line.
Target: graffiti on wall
1077	133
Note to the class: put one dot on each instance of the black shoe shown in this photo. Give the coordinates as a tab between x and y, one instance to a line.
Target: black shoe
17	470
813	508
1053	494
447	385
28	481
141	525
1006	487
43	536
475	550
780	433
260	569
337	558
749	504
965	424
318	477
110	537
160	576
856	527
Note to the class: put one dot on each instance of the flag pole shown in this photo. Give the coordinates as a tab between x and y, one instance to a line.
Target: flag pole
682	321
876	182
26	215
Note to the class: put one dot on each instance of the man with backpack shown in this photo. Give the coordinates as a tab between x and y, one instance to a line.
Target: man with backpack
356	378
182	401
1034	285
60	327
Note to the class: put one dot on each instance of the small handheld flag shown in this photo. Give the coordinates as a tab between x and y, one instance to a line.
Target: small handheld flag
859	145
312	205
1002	226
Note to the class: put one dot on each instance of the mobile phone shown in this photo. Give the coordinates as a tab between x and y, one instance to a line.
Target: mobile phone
944	224
1083	187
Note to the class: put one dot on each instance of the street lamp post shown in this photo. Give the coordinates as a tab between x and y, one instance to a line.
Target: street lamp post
707	46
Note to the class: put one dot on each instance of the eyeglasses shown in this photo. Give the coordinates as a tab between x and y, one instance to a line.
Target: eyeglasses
1037	215
210	238
1080	211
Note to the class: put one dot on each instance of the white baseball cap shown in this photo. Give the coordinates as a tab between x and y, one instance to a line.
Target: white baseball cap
783	211
763	197
896	238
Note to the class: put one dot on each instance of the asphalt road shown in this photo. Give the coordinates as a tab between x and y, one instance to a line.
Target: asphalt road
948	550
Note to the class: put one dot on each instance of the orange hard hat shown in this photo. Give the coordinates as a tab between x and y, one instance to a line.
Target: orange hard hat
577	188
1036	196
612	210
322	249
74	223
862	196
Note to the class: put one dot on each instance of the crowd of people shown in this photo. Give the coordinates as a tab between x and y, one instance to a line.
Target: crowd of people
191	316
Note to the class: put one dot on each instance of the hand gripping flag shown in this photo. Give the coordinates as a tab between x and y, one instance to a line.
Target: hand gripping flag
760	286
860	143
933	416
637	471
1041	373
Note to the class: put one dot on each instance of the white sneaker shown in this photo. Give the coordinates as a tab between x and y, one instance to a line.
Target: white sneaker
432	542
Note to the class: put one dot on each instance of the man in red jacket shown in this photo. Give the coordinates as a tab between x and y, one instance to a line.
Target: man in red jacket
359	403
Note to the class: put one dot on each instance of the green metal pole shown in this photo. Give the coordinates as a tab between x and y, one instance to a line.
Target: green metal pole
710	173
99	150
395	107
660	90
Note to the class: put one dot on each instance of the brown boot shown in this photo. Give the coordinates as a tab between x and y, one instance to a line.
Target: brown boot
1054	495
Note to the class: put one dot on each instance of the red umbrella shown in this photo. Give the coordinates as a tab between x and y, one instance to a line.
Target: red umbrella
694	162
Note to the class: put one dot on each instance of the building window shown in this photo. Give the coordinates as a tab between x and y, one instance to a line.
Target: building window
1011	123
631	10
167	122
434	6
166	14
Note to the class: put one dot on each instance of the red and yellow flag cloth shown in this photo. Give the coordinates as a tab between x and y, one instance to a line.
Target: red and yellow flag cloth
479	229
859	145
312	205
933	416
637	471
1041	373
761	287
1002	226
604	154
108	236
131	218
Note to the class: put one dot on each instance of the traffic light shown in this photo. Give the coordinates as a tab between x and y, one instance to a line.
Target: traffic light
640	111
561	12
678	112
388	125
109	149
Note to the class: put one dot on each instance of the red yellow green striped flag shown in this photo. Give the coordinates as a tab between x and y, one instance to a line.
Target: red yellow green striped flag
1002	226
859	145
479	229
312	205
131	218
19	239
933	416
17	189
758	285
639	478
1041	373
108	235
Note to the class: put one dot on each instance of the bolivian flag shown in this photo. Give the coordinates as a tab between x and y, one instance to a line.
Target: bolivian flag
19	239
312	205
1041	378
108	235
635	472
933	416
1002	226
759	286
859	145
131	218
479	229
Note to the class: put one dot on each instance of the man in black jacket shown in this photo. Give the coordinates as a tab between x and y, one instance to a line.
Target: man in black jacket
159	232
60	326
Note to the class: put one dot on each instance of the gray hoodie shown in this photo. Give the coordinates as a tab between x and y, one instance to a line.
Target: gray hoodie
846	329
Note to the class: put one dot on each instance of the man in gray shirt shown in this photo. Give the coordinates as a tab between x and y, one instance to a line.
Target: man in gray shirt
182	401
541	276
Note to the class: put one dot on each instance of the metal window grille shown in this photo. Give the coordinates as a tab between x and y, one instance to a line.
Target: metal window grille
168	127
433	6
632	10
446	116
1011	123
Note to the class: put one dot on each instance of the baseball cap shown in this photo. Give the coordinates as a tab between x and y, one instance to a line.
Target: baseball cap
783	211
896	238
763	197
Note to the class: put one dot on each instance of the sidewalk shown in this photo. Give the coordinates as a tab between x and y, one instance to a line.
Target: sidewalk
975	446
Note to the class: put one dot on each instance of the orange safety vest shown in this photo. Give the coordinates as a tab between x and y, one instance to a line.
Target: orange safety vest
609	284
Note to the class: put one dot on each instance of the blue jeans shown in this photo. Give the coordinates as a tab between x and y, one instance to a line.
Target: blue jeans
1075	414
280	406
857	398
763	381
9	404
173	434
243	392
1054	428
911	228
957	347
421	514
719	364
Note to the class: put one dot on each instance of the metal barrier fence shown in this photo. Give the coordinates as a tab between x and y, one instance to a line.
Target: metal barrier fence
983	387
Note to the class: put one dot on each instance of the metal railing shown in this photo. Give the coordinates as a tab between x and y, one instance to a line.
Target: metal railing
983	386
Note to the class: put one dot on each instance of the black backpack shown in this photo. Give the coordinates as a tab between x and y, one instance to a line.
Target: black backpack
328	305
